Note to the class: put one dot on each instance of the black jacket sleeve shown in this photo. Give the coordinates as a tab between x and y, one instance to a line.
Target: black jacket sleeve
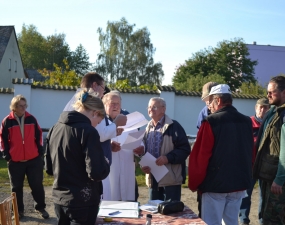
97	167
48	162
4	140
38	136
181	145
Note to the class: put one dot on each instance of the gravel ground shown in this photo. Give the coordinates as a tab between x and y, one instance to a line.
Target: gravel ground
32	218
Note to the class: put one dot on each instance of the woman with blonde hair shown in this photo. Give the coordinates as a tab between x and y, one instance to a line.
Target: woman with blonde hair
76	160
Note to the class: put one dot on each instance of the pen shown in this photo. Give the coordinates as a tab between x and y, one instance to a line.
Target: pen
113	213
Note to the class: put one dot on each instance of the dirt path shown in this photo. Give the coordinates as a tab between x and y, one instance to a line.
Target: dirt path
189	199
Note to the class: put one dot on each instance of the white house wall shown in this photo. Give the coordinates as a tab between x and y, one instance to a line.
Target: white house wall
5	100
11	52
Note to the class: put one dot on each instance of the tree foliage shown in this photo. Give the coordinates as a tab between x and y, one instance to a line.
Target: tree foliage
39	52
195	83
229	60
60	76
252	89
127	54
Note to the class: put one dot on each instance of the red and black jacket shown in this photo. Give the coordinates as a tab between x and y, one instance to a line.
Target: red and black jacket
15	147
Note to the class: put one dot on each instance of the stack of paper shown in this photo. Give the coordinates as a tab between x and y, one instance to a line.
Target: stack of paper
119	209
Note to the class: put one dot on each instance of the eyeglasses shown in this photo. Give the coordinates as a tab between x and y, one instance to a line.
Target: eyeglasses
271	92
22	106
210	102
153	107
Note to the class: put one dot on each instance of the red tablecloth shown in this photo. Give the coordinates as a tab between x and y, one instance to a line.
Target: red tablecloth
181	218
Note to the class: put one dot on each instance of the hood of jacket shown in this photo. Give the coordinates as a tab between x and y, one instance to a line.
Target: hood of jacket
72	117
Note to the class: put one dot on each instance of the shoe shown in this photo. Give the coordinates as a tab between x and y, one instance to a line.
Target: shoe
43	213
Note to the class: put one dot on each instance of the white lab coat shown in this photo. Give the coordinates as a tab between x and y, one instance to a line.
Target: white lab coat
122	172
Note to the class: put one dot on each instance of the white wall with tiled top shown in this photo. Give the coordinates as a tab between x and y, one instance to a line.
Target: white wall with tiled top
47	104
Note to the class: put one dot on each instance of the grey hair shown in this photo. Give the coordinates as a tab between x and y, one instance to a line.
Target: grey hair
160	100
107	97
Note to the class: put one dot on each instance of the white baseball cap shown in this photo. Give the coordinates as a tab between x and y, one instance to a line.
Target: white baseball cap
219	89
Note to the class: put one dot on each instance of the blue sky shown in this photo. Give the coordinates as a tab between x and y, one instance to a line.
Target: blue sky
178	28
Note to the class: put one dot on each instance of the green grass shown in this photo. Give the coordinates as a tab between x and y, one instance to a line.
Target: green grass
48	180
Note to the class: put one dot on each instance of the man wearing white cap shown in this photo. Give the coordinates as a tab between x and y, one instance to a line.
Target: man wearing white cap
221	160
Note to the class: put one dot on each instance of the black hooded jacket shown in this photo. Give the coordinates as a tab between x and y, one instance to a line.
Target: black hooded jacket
76	160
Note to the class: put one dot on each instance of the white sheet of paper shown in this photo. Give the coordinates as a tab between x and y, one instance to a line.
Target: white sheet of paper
133	140
157	171
124	213
126	209
134	120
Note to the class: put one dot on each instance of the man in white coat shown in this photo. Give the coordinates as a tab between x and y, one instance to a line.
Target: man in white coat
106	128
122	171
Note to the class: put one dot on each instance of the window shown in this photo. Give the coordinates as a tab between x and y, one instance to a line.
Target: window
9	65
15	66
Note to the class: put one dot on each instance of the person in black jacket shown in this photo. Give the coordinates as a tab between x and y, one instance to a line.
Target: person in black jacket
75	158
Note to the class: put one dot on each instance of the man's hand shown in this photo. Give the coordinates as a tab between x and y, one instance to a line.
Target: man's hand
276	189
161	160
115	146
139	150
146	169
120	120
119	131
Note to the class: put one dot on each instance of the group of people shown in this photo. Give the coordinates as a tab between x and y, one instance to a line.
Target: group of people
88	164
232	152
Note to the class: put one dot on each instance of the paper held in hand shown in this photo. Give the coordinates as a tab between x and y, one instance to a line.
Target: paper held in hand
135	120
157	171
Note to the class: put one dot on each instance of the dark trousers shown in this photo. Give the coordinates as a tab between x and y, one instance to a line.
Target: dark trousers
164	193
246	204
76	216
136	191
33	169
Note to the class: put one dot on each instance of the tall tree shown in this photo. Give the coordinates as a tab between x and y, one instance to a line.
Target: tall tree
31	45
229	60
79	60
127	54
39	52
57	50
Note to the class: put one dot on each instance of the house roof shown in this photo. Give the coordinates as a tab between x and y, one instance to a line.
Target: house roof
5	34
34	74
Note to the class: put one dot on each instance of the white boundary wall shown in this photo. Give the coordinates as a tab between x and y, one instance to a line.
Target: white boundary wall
46	105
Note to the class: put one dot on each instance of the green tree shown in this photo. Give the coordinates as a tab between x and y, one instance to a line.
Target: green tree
31	45
127	54
195	83
39	52
229	59
60	76
79	60
252	89
56	50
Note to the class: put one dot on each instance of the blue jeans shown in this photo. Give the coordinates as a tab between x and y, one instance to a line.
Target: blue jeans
164	193
218	206
246	204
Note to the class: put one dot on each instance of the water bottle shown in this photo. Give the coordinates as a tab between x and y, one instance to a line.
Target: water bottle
148	219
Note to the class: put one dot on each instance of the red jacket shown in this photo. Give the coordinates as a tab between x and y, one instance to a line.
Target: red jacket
13	145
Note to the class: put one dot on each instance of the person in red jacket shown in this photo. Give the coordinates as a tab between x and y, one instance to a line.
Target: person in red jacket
21	146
